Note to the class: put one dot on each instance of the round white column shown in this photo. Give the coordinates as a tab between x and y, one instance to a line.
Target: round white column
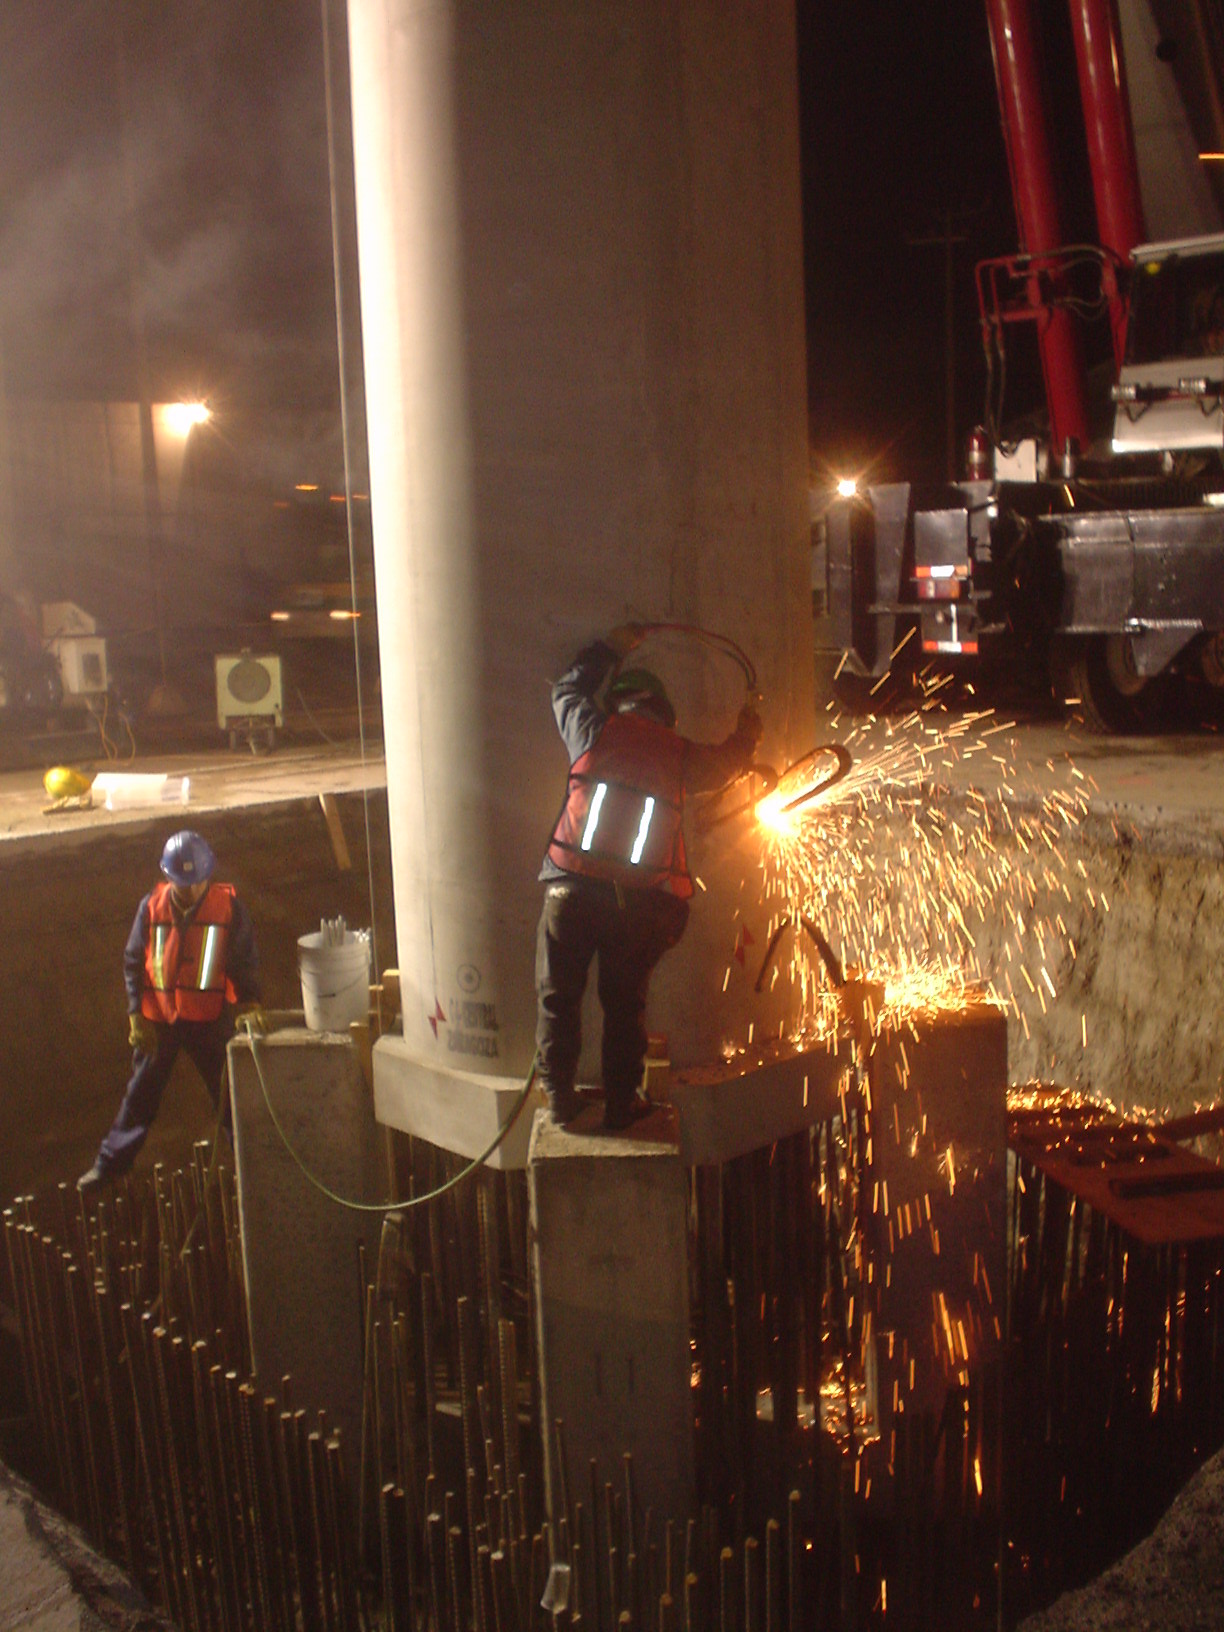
581	290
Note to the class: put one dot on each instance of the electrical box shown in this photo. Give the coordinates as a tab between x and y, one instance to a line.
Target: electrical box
249	687
1020	465
82	665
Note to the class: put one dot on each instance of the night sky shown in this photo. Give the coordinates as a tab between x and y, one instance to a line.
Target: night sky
226	152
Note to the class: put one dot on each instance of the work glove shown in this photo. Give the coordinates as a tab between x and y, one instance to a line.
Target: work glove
749	726
250	1017
142	1033
624	638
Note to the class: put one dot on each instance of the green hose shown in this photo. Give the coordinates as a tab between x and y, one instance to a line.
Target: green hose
382	1206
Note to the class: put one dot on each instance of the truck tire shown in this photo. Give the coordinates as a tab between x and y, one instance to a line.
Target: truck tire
1096	676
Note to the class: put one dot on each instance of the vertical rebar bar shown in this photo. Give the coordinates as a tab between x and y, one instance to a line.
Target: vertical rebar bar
397	1601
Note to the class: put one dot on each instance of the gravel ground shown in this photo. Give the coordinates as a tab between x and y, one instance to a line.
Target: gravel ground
51	1580
1171	1582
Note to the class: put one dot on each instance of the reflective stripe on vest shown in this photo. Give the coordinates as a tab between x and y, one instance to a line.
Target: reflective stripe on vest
210	957
639	843
160	935
592	821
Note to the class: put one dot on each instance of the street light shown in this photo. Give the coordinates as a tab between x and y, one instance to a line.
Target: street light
181	417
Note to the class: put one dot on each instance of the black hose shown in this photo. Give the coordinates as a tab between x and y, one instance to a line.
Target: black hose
828	956
711	637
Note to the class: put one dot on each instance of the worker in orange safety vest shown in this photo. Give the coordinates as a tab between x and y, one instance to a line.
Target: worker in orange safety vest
190	967
616	874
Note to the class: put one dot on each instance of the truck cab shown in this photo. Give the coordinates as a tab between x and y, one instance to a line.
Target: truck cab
1169	395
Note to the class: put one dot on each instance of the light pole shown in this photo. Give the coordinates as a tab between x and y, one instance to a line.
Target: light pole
178	419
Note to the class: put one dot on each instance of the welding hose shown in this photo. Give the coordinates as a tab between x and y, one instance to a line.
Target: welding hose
711	637
839	772
830	958
384	1206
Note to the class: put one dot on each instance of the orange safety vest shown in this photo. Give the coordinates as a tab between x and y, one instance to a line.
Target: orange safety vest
184	973
624	807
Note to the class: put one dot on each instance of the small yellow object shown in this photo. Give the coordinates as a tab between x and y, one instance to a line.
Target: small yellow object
62	782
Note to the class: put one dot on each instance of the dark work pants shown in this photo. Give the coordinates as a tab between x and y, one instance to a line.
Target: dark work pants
204	1042
582	920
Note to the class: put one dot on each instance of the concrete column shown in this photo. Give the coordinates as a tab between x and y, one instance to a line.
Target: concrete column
609	1262
939	1141
299	1248
581	289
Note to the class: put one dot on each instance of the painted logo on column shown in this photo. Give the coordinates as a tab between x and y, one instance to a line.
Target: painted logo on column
474	1025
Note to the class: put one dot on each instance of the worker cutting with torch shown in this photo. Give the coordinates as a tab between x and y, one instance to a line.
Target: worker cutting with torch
617	884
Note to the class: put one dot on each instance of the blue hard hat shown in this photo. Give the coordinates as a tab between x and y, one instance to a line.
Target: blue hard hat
187	859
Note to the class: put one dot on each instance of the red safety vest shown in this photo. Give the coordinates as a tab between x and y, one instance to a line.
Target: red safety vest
185	976
624	806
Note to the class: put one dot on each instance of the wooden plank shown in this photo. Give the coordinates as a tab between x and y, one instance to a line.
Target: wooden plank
335	829
1146	1184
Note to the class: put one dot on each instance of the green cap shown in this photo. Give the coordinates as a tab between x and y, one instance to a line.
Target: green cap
639	688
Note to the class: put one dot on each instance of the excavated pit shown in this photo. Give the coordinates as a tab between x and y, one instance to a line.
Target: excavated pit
69	897
1133	1018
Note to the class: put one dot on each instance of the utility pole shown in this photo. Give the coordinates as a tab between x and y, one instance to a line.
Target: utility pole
164	699
10	566
948	239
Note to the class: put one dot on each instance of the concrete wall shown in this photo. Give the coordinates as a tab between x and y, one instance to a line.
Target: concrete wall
66	906
581	284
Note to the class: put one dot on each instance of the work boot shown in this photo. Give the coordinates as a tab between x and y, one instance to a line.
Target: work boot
618	1117
93	1180
564	1105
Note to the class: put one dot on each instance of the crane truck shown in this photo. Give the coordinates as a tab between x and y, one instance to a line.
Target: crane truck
1093	549
1107	567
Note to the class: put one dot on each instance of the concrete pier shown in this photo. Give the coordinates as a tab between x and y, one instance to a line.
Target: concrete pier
460	1111
299	1246
609	1260
939	1138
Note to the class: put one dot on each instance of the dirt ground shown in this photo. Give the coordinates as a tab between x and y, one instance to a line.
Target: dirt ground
1173	1581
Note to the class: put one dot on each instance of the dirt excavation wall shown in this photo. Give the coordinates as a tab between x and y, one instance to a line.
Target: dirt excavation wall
1137	1016
68	904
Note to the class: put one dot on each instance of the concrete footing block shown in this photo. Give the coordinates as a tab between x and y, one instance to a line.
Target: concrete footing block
459	1111
299	1247
609	1259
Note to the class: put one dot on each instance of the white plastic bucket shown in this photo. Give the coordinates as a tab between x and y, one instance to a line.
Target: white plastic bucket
126	790
335	979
